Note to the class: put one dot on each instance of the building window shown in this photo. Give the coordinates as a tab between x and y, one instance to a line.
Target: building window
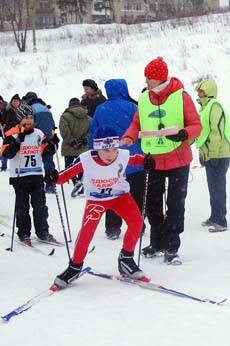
44	5
133	6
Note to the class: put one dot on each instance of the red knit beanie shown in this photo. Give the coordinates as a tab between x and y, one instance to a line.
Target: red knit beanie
157	69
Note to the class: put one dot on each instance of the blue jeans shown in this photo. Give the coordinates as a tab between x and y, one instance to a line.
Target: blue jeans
216	178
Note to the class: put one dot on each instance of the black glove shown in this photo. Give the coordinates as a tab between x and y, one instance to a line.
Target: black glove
54	140
149	162
9	140
214	162
51	176
181	136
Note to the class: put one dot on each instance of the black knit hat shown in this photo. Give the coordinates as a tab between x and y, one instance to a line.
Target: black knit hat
74	102
90	83
15	97
31	95
23	110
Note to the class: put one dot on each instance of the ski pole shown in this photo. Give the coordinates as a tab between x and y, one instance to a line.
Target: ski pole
15	204
63	197
13	229
143	210
62	221
14	217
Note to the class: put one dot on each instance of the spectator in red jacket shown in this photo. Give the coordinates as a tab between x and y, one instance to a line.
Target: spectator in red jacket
165	104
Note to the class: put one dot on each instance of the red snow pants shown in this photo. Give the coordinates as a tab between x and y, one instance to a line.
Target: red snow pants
125	207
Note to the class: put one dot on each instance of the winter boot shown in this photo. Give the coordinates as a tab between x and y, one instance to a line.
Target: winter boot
113	233
78	190
150	252
215	227
128	267
71	273
172	258
26	240
48	238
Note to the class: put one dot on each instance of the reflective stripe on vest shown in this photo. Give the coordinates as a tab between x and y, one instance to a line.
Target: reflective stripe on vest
170	113
205	121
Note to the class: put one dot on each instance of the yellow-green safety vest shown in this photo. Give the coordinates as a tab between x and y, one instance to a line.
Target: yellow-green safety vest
170	114
205	121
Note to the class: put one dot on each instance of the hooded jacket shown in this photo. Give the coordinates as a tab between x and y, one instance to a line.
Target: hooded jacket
216	145
117	111
74	125
182	155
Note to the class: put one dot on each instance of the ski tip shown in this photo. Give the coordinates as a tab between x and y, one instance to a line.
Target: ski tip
92	250
222	301
54	288
52	252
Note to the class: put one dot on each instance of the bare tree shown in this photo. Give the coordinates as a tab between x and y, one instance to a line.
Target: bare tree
1	16
17	13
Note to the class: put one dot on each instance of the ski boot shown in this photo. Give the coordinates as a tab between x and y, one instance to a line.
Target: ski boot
71	273
128	267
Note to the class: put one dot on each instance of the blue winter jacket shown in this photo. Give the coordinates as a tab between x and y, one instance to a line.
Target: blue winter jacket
43	118
117	112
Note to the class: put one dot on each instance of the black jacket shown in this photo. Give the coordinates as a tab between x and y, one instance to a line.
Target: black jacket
93	101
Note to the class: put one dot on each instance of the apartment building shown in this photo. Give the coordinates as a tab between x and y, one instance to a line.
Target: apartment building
47	13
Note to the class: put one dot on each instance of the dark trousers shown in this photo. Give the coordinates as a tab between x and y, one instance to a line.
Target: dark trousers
136	181
216	178
166	226
31	191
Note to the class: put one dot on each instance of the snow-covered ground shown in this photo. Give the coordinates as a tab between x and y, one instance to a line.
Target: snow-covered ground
95	311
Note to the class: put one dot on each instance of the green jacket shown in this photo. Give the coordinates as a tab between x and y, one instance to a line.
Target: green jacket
216	145
74	125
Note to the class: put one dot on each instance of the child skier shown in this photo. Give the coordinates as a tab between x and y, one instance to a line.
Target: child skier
24	145
105	188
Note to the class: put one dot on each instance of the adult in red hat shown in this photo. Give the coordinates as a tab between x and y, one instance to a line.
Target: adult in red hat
165	104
